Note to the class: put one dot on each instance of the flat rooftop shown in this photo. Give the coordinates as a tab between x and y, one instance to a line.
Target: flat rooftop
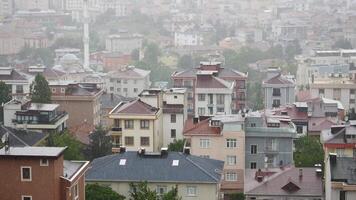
70	168
43	107
33	151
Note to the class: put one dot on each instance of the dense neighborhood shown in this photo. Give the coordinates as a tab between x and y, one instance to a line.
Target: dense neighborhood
178	99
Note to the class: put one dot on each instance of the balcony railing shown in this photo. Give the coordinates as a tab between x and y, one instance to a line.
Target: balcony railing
116	129
59	116
276	94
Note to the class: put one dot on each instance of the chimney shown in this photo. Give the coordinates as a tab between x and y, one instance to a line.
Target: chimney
141	151
332	157
186	150
259	175
195	120
300	173
164	151
318	172
122	149
111	96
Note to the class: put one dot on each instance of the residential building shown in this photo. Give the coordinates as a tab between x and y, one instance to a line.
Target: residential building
6	8
128	81
20	84
31	5
194	177
40	173
11	41
188	38
339	177
22	138
111	61
122	8
107	103
228	87
49	73
284	183
136	124
278	89
221	138
268	141
80	100
34	116
124	43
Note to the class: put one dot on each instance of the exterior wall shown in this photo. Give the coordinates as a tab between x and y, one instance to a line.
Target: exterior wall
10	44
287	95
6	8
123	44
329	93
9	113
187	39
204	191
67	187
29	5
205	104
42	177
112	86
168	125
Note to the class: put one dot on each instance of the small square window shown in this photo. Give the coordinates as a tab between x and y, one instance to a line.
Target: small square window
44	162
63	90
26	197
173	118
253	165
145	141
191	191
26	174
135	90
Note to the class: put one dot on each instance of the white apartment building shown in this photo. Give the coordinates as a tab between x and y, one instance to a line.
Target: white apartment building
128	81
29	5
123	43
213	95
6	7
187	39
122	8
20	83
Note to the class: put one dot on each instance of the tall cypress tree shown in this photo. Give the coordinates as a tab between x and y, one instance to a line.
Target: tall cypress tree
40	91
5	96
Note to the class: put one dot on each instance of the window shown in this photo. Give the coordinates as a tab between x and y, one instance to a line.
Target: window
44	162
53	90
340	152
76	191
352	101
161	189
342	195
231	176
253	149
201	97
190	95
220	99
111	88
118	89
276	92
187	83
231	160
19	89
352	91
173	133
129	141
220	109
321	91
125	81
276	103
173	118
145	141
26	174
26	197
253	124
135	90
118	81
191	191
175	97
145	124
210	110
253	165
129	124
201	111
231	143
125	89
204	143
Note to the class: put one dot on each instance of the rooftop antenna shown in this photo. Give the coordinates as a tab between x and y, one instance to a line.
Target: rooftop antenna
86	35
6	141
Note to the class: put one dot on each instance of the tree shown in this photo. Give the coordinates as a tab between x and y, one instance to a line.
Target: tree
309	152
152	52
100	144
135	54
40	91
5	96
176	145
292	50
185	62
342	44
236	196
74	147
141	191
98	192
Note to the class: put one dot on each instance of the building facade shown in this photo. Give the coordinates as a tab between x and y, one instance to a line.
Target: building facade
123	43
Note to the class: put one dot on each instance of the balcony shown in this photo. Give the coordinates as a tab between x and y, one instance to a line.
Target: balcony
42	122
115	131
276	94
271	150
190	98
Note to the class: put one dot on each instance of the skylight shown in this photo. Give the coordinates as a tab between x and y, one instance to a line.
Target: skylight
175	163
122	161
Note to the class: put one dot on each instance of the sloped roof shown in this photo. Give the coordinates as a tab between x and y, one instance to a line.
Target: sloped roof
211	82
82	131
279	79
190	169
201	128
318	124
222	73
21	138
135	107
129	72
111	100
15	75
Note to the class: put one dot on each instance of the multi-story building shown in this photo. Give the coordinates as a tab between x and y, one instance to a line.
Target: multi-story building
20	84
6	8
221	138
80	100
122	8
11	41
215	75
268	141
107	103
278	89
193	176
128	81
136	124
124	43
40	173
31	5
34	116
188	38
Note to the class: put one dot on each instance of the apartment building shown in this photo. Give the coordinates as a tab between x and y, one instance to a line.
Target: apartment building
221	138
6	8
278	89
268	141
122	8
19	83
128	81
188	38
195	177
124	43
40	173
80	100
49	73
214	74
107	103
34	116
136	125
30	5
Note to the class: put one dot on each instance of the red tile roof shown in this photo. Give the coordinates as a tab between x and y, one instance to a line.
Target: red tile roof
207	81
303	95
82	132
279	79
136	107
201	128
318	124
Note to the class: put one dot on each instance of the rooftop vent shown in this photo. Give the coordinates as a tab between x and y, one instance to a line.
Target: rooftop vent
186	150
164	151
175	163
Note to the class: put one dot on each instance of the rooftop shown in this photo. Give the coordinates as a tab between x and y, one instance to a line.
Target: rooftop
200	128
173	167
33	151
111	100
129	72
70	168
279	79
42	107
21	138
134	107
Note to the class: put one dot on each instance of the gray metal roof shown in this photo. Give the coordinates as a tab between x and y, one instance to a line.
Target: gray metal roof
33	151
344	170
71	167
190	169
21	138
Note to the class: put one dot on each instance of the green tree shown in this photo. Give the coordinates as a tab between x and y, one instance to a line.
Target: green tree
185	62
141	191
40	91
98	192
5	96
342	44
292	50
236	196
74	148
176	145
135	54
100	144
309	151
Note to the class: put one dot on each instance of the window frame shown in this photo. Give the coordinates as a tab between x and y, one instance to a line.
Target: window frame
206	145
231	141
164	187
201	97
44	164
146	144
145	124
189	194
173	119
228	157
232	176
251	149
133	141
253	163
175	133
30	174
126	124
76	191
26	196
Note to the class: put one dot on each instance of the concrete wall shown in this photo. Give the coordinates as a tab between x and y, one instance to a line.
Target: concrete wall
204	104
112	86
287	95
167	126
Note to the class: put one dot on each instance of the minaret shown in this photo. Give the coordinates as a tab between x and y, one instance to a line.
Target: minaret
86	35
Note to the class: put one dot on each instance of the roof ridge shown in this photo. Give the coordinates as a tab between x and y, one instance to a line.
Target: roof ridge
201	168
196	125
14	135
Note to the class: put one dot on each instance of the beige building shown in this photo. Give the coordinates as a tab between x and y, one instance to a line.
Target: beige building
221	138
196	178
136	125
81	101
